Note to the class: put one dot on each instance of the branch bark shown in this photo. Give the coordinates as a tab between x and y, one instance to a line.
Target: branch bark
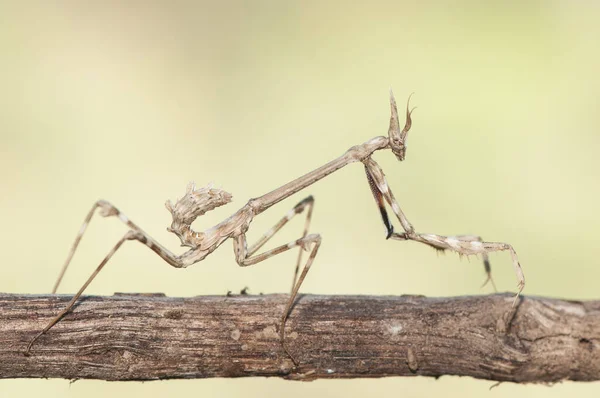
139	337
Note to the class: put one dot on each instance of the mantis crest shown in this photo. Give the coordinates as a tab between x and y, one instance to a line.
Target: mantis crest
198	201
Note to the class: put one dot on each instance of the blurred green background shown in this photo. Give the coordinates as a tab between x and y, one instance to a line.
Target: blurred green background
129	102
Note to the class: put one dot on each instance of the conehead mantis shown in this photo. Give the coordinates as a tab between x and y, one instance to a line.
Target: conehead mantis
198	201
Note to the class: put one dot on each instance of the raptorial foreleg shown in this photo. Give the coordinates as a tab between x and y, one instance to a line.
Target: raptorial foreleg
462	244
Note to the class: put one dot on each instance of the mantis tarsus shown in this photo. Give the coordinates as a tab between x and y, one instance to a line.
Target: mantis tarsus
196	202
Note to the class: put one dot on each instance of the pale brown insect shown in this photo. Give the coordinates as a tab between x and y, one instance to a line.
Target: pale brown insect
196	202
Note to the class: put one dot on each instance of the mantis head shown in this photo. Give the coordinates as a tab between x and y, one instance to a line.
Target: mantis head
396	136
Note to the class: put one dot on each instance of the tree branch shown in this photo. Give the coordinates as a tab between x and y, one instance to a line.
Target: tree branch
139	337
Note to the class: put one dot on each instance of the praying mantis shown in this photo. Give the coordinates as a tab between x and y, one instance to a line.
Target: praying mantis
198	201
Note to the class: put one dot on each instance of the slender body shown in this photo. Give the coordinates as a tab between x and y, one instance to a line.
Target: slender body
196	202
355	154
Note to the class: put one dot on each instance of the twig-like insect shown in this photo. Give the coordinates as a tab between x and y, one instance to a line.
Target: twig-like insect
196	202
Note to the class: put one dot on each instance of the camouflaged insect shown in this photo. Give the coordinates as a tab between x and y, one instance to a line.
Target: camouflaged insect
197	202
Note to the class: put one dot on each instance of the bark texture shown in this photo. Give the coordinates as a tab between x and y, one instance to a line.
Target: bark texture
140	337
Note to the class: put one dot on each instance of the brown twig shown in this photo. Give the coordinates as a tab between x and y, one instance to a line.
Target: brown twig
142	337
